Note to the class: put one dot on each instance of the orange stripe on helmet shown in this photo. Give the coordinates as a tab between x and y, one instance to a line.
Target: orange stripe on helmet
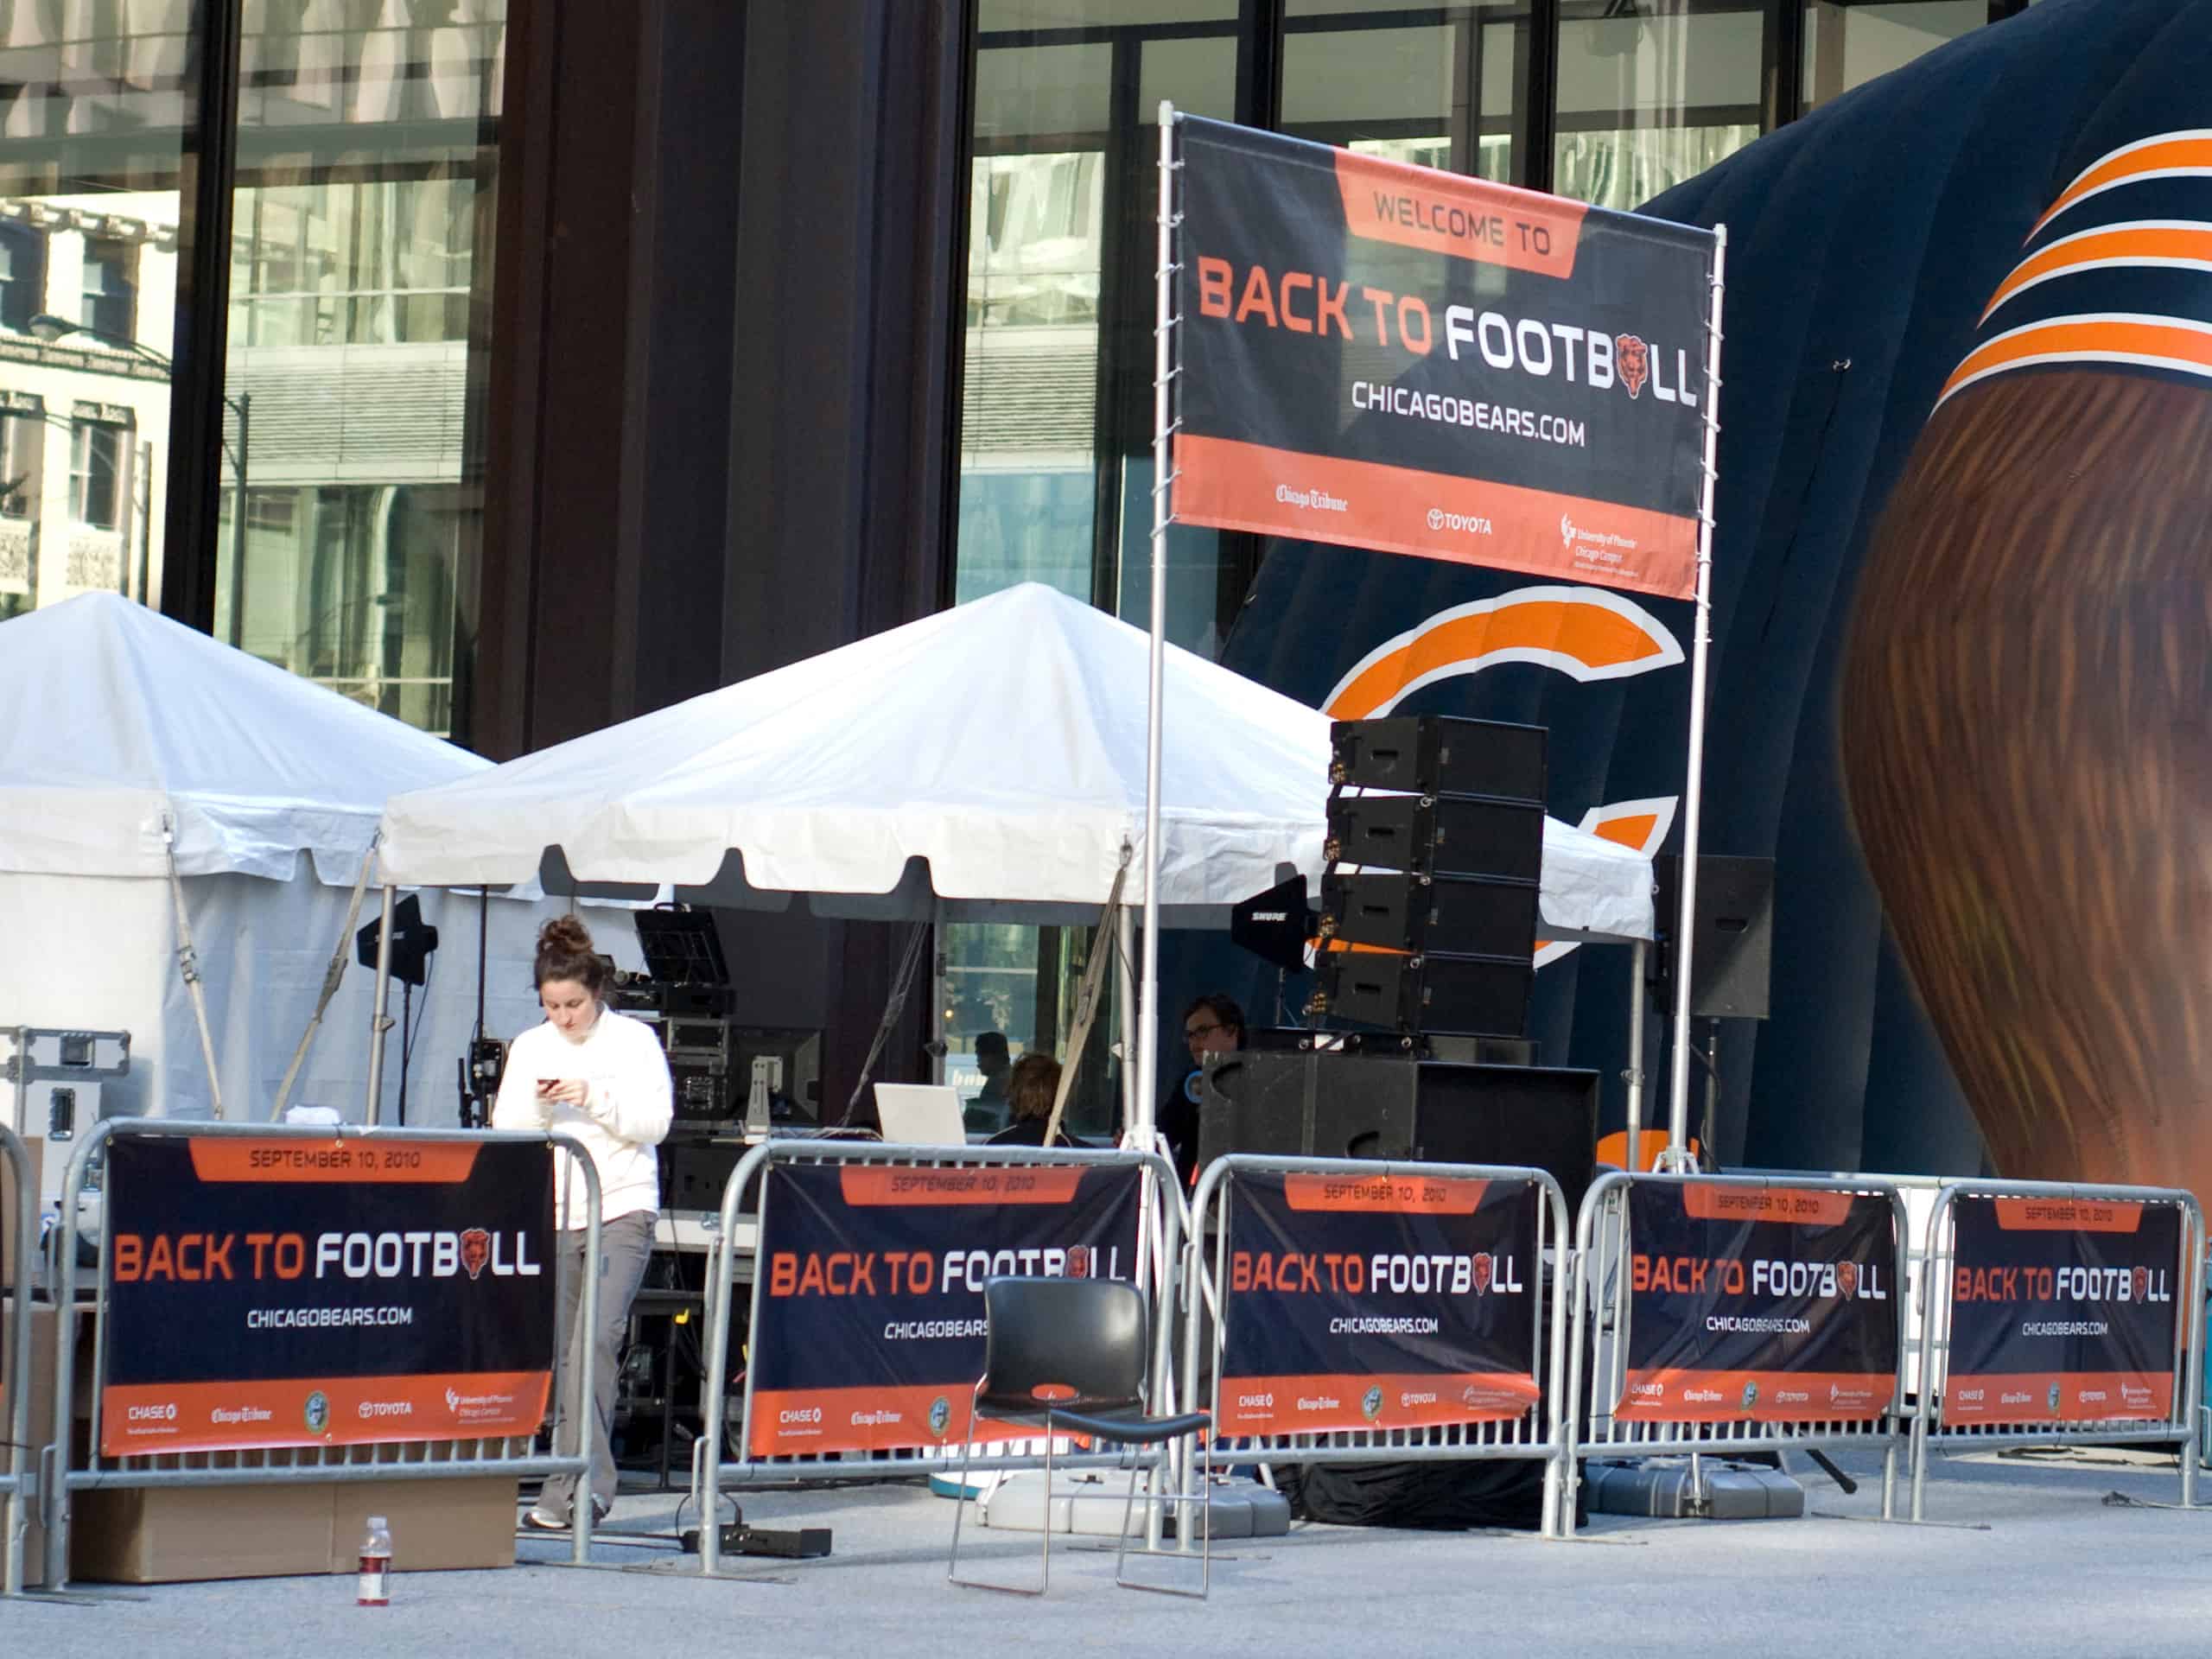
2156	342
2161	245
2173	154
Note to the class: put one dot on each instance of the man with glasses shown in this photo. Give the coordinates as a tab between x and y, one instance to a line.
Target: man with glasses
1212	1025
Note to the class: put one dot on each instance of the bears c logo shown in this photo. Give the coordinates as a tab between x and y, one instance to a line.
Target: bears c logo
1586	633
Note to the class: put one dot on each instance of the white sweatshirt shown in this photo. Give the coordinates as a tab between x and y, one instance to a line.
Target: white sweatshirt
624	1114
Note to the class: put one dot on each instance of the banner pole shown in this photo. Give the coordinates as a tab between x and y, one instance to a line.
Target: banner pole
1678	1095
1162	369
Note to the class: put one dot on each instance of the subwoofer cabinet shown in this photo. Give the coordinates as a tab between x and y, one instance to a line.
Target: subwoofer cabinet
1307	1105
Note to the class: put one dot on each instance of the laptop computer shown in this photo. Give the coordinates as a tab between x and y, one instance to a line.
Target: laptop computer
921	1113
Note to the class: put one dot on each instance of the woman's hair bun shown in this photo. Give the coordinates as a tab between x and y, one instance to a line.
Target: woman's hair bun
566	934
565	951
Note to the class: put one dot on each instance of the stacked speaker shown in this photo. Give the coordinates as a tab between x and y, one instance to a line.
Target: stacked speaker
1434	928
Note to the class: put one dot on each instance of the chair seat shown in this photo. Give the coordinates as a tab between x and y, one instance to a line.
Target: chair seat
1123	1426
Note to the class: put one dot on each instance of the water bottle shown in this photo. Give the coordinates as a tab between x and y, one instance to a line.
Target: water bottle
376	1565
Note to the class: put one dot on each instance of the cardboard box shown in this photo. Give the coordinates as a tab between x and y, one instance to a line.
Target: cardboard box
176	1534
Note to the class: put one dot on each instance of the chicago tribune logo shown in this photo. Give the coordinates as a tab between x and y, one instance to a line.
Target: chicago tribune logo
475	1250
1632	361
317	1411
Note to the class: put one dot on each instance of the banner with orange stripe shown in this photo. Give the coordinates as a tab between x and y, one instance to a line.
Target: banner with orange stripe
1386	356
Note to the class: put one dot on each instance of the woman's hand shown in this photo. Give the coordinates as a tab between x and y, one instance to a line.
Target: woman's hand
566	1091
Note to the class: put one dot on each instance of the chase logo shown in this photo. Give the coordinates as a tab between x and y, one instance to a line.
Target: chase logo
316	1414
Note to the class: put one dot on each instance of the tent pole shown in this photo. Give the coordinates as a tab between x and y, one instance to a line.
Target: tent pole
378	1024
1678	1093
1637	958
1125	948
1162	479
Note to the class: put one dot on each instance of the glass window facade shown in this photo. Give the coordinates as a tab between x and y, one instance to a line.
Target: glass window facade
95	103
367	156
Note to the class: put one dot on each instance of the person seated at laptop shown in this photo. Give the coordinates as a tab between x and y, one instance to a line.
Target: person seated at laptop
1030	1088
986	1112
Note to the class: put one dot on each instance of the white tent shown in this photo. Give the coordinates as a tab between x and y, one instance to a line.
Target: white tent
987	760
125	730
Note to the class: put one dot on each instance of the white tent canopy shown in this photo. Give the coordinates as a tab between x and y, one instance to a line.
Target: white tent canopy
118	718
121	722
989	759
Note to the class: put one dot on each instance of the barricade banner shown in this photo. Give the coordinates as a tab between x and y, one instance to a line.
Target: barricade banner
1385	356
869	1329
275	1293
2063	1310
1759	1304
1376	1302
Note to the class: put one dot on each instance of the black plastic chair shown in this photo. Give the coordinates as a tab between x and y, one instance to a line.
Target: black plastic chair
1071	1354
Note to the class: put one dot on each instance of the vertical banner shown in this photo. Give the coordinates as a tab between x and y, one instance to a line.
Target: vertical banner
271	1292
2063	1310
1759	1304
870	1331
1386	356
1389	1301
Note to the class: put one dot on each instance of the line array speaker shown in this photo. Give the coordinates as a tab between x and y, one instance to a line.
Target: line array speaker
1482	995
1479	915
1438	835
1437	754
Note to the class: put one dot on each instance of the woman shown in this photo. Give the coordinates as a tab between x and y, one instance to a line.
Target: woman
1030	1089
600	1079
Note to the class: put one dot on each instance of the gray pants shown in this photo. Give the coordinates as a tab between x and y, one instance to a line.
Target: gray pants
625	1243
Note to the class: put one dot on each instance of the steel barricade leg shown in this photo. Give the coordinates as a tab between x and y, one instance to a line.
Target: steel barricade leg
15	1515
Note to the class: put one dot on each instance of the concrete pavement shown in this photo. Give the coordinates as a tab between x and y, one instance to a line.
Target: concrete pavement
2033	1561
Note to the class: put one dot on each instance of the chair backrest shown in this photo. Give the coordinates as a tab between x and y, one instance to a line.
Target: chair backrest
1070	1340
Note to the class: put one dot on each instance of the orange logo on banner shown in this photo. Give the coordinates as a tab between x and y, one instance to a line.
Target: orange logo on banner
1586	633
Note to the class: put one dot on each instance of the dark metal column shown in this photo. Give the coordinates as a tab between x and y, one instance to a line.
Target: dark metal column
207	173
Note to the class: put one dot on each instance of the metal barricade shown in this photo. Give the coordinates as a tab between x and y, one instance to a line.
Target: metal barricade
710	1475
19	1485
289	1465
1599	1357
2177	1430
1540	1435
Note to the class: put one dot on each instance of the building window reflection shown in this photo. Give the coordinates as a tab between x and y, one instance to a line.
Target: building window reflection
109	288
95	453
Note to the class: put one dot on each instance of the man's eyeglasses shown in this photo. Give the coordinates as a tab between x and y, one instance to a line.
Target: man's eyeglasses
1199	1033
